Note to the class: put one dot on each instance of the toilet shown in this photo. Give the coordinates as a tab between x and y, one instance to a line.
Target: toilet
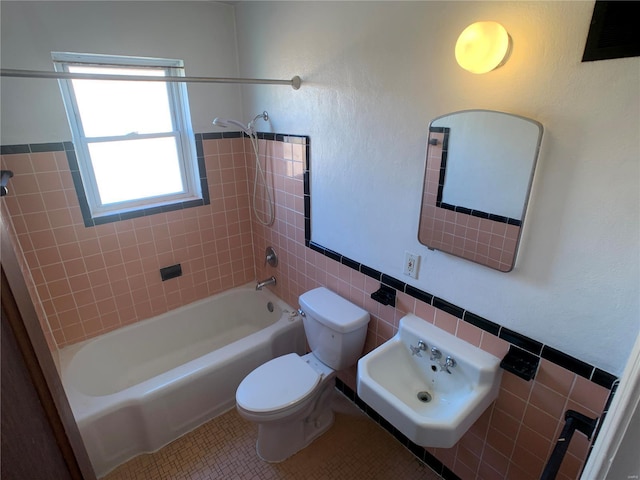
290	396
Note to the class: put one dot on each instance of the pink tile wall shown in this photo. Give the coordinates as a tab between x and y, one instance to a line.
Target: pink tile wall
89	280
515	436
92	280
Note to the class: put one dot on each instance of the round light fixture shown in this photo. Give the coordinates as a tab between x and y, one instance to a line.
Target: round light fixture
483	46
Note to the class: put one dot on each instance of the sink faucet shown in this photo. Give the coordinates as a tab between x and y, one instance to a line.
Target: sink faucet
269	281
449	362
435	354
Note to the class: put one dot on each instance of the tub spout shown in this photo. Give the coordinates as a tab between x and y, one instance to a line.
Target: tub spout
264	283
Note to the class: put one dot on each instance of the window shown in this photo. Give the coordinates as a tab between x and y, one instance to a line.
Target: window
134	143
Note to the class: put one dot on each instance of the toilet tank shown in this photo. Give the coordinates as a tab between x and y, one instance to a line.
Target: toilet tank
335	327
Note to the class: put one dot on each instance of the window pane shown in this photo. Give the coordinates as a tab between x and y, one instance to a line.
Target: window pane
110	107
134	169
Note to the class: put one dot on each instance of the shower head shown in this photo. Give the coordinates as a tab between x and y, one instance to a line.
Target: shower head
248	129
225	123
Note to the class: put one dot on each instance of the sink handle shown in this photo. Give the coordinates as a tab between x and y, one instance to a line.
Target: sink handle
449	362
421	347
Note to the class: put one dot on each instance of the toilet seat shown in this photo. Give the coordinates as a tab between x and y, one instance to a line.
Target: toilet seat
277	384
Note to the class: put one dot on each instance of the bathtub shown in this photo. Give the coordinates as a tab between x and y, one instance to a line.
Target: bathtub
138	388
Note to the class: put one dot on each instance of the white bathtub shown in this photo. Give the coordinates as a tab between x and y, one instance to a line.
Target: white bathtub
138	388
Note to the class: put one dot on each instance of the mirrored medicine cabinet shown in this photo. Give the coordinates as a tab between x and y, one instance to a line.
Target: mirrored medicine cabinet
478	175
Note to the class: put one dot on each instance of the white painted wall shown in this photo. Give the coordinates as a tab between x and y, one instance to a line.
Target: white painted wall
200	33
375	74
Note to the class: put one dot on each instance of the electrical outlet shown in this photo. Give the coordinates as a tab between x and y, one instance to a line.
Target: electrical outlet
411	264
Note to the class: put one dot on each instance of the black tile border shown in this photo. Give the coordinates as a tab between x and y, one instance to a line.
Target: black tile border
418	451
583	369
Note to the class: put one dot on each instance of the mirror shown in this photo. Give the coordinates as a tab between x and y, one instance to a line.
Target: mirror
477	181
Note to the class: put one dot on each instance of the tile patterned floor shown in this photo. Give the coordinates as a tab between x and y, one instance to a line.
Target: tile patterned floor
224	448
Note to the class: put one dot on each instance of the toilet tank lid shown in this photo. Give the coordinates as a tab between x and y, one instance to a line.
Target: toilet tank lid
332	310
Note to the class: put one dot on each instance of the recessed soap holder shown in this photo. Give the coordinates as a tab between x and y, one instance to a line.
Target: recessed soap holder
385	295
520	363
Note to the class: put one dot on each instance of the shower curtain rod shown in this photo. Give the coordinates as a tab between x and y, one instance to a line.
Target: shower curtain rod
295	82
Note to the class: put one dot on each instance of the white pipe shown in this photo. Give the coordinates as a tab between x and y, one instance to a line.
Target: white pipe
295	82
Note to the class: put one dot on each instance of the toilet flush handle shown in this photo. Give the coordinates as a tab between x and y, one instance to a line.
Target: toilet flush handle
301	313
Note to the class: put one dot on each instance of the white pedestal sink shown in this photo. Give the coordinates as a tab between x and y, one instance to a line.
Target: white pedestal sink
431	403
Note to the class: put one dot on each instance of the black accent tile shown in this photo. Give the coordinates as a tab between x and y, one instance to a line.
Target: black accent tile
271	136
567	361
448	307
497	218
483	323
418	294
386	424
316	247
305	183
307	229
307	156
105	219
514	221
232	135
199	150
393	282
130	215
433	463
77	183
401	437
448	474
73	161
602	378
171	208
204	188
332	255
47	147
191	204
521	363
417	450
520	340
370	272
14	149
307	206
360	403
350	263
212	136
372	413
151	211
466	211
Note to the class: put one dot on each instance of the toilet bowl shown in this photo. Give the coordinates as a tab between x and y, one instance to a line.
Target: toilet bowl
290	396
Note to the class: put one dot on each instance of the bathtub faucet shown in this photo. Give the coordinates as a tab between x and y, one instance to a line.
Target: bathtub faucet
264	283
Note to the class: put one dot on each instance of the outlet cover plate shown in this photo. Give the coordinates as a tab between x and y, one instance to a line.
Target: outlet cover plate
411	264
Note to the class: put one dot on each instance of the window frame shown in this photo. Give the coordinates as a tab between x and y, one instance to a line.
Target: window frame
182	133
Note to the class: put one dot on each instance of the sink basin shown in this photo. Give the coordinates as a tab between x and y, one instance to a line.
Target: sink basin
429	402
